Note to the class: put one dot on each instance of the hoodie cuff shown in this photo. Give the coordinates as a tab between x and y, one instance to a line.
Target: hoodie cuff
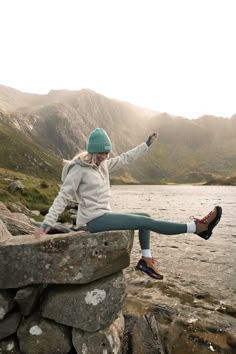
44	226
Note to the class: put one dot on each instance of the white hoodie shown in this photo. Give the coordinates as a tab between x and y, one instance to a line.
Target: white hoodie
90	187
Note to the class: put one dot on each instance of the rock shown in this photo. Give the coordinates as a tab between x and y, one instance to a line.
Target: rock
39	336
16	223
16	186
9	345
44	184
18	208
4	210
198	337
164	311
17	226
34	212
58	228
142	336
73	258
89	307
9	324
72	205
27	297
228	309
6	303
108	340
21	217
4	233
231	340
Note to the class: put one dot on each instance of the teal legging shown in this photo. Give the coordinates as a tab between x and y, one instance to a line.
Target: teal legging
138	221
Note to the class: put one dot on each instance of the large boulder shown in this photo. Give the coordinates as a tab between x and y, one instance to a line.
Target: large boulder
27	297
73	258
108	340
16	223
142	335
9	345
88	307
37	335
6	303
9	324
16	186
4	233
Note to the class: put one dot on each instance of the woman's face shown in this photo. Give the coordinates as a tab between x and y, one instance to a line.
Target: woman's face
100	157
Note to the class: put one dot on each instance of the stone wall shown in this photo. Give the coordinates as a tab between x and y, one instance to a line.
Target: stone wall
63	293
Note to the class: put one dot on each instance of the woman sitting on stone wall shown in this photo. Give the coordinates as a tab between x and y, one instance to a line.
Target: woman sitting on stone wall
86	178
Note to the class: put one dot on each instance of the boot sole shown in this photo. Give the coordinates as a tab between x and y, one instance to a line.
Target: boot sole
149	271
207	234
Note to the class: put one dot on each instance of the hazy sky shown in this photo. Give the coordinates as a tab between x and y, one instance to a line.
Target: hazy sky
177	56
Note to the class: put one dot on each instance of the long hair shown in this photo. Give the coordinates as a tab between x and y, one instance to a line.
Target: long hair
83	156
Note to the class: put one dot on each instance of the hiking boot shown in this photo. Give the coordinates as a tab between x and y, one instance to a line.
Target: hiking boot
149	266
205	225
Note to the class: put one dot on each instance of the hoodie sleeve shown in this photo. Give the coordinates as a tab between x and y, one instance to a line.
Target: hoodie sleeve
126	158
66	193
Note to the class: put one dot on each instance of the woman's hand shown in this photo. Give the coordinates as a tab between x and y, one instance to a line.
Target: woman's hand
151	138
39	231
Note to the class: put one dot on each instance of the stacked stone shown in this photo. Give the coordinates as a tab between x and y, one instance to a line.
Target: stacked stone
63	293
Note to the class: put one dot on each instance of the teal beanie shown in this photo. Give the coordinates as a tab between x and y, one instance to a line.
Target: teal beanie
98	141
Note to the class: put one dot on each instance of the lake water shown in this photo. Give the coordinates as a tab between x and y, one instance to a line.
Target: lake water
179	202
187	259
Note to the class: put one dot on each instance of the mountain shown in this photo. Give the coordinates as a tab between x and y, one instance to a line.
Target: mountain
62	120
188	151
20	153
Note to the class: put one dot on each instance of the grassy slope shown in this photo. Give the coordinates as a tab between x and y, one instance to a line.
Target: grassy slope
37	194
22	159
20	154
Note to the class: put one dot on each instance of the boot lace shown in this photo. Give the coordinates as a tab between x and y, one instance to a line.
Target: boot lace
203	220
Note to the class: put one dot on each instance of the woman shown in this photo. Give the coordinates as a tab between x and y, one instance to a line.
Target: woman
86	179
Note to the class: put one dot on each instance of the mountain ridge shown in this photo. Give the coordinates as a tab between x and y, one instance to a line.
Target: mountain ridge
188	151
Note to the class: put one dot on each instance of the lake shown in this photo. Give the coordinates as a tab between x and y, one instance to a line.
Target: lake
187	259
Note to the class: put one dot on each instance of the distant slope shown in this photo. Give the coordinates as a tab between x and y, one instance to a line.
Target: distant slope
11	99
19	153
62	120
187	151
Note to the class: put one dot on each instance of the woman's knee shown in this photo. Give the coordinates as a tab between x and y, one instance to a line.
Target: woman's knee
145	214
140	214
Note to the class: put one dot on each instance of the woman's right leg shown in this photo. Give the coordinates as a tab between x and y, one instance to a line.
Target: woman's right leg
119	221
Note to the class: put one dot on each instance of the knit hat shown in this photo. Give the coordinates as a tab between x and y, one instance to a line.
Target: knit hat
98	141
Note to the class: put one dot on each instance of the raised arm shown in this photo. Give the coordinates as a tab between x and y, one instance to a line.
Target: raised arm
115	163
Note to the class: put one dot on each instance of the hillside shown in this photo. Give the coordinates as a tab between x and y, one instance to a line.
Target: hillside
19	153
62	120
188	151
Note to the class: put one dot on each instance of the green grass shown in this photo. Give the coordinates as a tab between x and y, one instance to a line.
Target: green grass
18	153
37	195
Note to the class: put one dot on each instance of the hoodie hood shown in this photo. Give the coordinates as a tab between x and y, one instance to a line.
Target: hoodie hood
84	159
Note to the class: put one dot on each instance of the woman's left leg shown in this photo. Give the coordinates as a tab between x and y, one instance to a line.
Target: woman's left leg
147	263
143	234
113	221
144	223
